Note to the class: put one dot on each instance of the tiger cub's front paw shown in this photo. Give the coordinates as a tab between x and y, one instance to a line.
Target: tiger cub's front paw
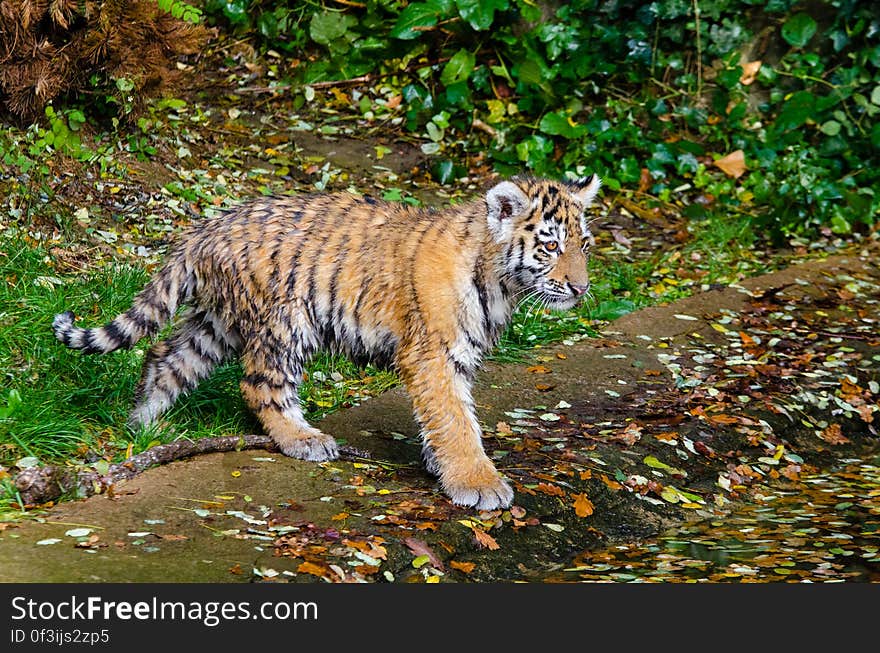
482	488
312	445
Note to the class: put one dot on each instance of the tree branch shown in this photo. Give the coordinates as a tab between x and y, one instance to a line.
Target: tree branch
38	485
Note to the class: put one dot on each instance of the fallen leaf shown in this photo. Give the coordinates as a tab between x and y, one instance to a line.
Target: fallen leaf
503	428
733	165
612	484
485	540
538	369
313	569
833	435
750	71
173	538
466	567
552	490
630	435
583	507
420	548
236	569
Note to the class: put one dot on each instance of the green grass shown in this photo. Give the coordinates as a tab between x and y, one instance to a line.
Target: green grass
57	404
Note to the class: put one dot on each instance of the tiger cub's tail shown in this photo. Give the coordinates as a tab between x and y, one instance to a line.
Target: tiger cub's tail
151	309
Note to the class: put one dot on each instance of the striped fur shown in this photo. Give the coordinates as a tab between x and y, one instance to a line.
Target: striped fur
427	292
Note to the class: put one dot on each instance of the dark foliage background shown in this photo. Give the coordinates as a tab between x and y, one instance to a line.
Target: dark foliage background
649	93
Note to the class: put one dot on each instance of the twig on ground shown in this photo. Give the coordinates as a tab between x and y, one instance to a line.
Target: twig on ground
38	485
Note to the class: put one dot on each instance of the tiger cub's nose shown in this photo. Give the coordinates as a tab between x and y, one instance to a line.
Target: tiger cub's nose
578	289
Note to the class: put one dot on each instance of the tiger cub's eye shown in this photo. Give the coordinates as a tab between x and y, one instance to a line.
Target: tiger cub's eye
551	246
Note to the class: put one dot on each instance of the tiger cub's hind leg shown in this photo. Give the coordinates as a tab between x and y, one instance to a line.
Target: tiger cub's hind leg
272	375
175	365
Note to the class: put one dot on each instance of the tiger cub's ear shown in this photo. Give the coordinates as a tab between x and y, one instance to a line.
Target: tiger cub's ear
585	189
503	203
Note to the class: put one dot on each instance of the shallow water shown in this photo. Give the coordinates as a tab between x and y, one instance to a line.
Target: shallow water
825	527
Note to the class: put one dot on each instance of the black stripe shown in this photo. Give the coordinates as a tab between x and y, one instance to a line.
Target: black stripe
90	342
356	313
113	332
182	381
143	323
258	378
480	285
336	311
460	368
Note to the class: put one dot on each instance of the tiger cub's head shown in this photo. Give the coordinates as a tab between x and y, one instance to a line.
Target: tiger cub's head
546	237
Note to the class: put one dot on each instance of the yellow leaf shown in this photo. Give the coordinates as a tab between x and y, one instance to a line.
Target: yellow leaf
466	567
236	474
583	507
432	579
313	569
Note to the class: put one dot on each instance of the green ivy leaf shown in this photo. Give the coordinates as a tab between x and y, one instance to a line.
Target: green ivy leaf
416	15
799	29
480	14
830	128
236	11
795	112
459	68
558	125
329	26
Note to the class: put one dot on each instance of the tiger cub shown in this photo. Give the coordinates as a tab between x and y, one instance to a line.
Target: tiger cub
425	291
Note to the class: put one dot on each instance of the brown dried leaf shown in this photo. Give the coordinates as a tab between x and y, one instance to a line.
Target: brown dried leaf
834	435
583	507
733	165
517	512
485	540
538	369
420	548
552	490
750	71
612	484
